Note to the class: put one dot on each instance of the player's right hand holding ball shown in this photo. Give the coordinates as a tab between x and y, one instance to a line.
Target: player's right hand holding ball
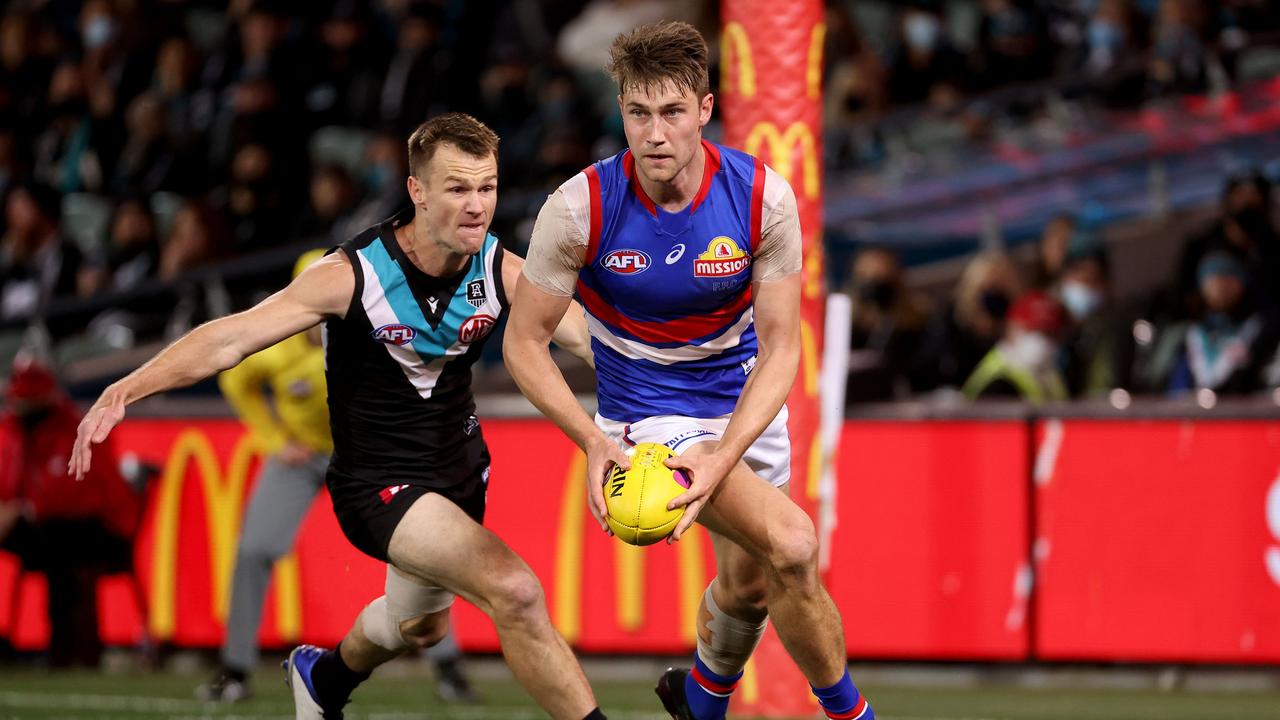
602	455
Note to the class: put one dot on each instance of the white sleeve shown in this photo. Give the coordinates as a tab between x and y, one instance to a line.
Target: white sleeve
559	238
781	244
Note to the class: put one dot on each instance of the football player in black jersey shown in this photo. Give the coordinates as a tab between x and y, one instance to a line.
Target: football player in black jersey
406	306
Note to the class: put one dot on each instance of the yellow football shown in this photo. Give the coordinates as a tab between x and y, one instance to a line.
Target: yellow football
637	499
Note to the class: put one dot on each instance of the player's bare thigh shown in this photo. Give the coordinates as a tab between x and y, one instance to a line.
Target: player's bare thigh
748	511
440	544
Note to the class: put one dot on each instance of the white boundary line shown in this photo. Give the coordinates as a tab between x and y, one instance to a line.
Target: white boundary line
181	709
191	709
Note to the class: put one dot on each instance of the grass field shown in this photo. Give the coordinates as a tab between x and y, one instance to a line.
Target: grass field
403	695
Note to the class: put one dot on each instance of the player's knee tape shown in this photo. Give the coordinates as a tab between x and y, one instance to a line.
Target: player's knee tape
404	600
726	642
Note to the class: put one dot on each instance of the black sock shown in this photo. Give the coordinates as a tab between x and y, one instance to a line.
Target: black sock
234	673
595	715
333	680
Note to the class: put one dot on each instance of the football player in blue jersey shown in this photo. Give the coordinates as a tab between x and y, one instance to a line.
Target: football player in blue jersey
686	256
406	307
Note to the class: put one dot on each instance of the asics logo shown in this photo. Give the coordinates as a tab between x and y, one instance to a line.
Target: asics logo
676	253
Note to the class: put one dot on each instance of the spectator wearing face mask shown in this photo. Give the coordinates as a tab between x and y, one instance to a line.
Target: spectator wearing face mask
1109	58
962	333
924	57
72	531
1097	345
111	42
888	323
1024	363
1244	230
1227	349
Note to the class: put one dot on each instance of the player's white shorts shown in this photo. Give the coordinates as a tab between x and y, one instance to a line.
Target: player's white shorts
769	456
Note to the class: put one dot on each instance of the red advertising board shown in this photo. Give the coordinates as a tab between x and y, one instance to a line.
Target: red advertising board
932	539
922	558
1159	541
604	596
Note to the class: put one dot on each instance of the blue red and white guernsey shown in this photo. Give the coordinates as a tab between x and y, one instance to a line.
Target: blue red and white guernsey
669	295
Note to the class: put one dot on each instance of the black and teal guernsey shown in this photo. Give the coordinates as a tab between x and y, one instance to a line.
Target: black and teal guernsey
399	364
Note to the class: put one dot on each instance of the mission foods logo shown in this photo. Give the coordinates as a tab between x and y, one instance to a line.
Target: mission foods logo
722	259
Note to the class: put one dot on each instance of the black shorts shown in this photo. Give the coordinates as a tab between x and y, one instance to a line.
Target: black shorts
368	511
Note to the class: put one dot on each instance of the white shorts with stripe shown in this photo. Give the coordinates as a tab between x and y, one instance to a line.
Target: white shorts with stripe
769	456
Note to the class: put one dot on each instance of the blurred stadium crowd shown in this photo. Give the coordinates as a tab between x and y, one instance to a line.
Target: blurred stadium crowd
1054	329
164	161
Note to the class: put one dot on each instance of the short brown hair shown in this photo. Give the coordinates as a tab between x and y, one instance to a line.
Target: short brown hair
457	129
660	52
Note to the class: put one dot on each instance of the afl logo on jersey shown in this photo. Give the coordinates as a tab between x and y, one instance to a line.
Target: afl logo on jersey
394	334
626	262
722	259
476	328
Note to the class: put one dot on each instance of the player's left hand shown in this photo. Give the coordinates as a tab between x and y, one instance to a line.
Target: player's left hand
705	471
105	414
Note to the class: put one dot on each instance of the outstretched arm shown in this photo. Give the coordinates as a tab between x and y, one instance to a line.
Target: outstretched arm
322	290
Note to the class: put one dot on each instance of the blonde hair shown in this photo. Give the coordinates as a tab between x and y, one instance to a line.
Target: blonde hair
657	53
